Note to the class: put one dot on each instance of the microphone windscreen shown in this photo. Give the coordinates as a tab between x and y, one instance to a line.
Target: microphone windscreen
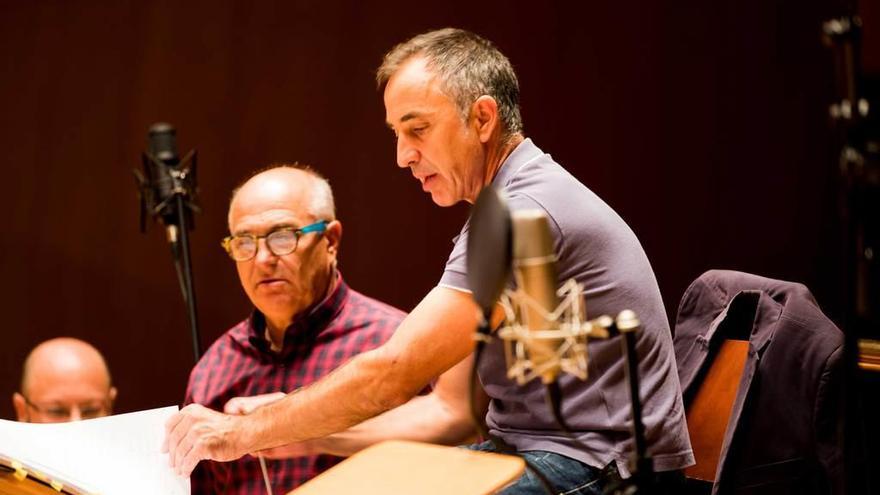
488	248
163	143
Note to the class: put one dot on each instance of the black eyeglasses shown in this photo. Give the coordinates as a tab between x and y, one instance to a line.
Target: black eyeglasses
281	241
64	412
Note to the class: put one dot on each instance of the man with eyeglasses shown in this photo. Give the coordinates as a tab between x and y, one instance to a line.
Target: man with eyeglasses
64	379
284	239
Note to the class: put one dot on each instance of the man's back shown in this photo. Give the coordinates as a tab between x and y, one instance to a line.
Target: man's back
598	249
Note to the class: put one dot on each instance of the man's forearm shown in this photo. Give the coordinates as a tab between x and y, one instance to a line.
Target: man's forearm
431	340
417	420
434	337
366	386
442	416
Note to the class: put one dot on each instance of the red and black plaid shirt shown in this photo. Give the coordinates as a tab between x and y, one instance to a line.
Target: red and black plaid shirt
240	363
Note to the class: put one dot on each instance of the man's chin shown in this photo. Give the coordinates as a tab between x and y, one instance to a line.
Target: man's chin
443	200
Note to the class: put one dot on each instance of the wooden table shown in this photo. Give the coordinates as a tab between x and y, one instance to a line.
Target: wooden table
401	467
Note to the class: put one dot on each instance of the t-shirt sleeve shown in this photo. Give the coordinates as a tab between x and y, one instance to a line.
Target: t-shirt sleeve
455	274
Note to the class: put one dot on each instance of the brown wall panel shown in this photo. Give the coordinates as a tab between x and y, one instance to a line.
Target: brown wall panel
702	123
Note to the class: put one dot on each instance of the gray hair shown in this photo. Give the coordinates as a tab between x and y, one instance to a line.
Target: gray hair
321	204
468	65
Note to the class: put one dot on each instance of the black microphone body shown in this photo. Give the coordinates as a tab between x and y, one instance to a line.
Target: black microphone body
162	146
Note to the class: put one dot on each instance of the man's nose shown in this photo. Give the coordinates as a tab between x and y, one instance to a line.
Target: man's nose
75	413
407	155
264	254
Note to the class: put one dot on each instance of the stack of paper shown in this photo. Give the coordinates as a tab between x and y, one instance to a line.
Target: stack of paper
115	455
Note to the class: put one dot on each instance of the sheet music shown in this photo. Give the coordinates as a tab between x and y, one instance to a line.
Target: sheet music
107	456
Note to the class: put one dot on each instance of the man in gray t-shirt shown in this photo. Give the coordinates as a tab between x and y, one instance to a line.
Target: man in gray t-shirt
596	248
451	99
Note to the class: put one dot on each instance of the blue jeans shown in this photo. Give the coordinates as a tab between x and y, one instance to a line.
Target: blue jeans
568	476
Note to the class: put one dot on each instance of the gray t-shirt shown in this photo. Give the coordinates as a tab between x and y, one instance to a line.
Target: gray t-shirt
597	248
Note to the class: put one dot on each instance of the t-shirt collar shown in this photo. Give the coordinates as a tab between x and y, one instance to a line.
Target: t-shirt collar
524	152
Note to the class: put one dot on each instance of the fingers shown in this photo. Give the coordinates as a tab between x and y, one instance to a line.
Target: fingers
235	406
247	405
184	449
188	462
276	453
197	433
181	435
287	451
176	430
170	424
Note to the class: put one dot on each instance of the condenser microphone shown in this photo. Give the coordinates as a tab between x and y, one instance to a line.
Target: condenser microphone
534	269
162	146
168	183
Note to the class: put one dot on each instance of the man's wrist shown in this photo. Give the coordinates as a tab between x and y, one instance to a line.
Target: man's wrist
244	437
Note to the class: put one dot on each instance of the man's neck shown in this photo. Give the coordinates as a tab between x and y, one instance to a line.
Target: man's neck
497	154
275	330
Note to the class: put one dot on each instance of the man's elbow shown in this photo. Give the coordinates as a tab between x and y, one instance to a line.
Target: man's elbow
459	429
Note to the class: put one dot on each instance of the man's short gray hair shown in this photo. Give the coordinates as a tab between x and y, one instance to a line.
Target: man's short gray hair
321	205
468	65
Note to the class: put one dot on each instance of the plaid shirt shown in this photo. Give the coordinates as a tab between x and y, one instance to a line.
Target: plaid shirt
240	363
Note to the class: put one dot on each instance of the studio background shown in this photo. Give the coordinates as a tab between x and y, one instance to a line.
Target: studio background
704	124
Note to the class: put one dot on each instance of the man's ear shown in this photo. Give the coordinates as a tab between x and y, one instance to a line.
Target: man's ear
485	114
20	405
333	234
111	399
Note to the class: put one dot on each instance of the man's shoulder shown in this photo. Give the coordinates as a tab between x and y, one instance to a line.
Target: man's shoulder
230	341
373	308
540	174
227	348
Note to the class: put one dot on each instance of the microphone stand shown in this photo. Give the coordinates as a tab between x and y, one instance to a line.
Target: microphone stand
168	193
183	267
641	464
483	336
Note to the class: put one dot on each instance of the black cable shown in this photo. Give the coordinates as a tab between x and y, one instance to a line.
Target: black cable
553	397
500	444
642	468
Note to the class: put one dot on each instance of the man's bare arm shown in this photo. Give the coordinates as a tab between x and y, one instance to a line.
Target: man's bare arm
443	417
435	336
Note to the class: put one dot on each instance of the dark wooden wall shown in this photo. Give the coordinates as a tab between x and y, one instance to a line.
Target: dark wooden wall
702	123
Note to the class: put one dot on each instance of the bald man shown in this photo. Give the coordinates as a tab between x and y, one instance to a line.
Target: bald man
64	379
284	240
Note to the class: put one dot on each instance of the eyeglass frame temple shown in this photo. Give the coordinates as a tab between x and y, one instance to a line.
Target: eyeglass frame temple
319	226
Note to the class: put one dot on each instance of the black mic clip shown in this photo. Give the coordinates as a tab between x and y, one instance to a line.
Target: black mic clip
164	179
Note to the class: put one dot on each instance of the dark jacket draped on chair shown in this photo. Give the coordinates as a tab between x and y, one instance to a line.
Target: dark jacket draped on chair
784	433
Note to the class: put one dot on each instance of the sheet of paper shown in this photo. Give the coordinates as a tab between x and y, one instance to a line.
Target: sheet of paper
115	455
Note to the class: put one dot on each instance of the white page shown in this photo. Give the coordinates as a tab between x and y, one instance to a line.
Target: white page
114	455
